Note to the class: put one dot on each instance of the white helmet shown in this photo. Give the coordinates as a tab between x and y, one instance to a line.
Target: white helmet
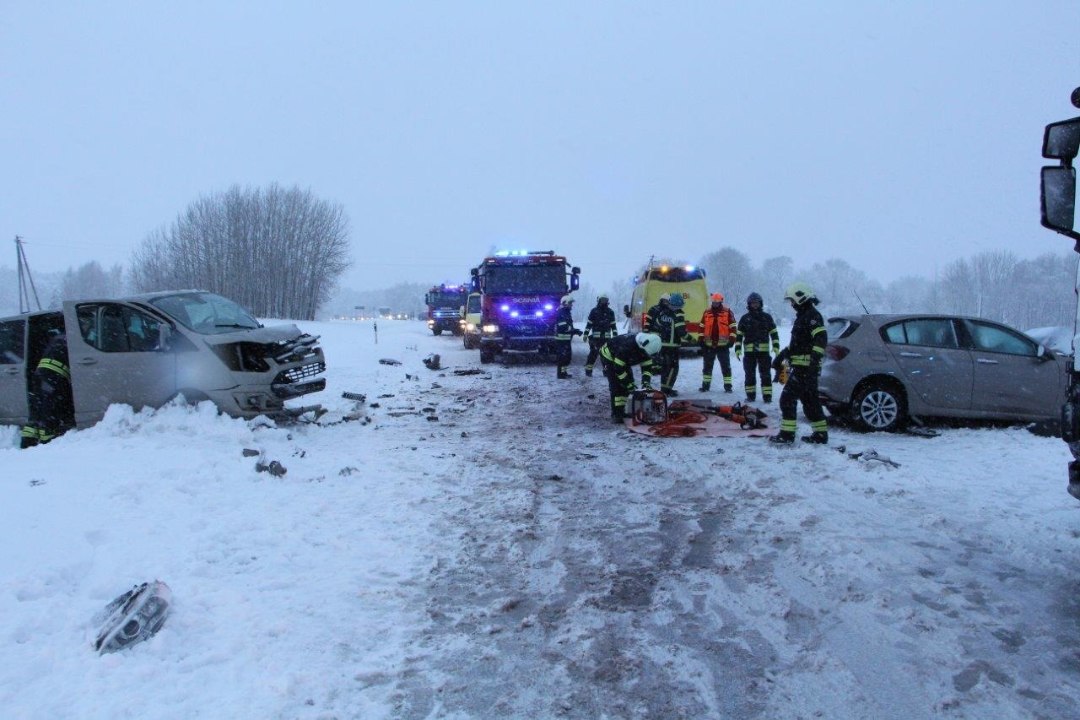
649	342
665	298
799	292
566	300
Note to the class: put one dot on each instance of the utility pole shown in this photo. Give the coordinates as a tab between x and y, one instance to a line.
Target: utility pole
26	282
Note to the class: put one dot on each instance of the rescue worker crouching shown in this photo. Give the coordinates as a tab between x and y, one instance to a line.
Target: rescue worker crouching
756	336
51	407
599	328
666	319
564	333
805	353
619	355
717	336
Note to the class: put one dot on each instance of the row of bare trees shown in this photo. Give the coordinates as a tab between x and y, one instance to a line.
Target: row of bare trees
995	285
278	252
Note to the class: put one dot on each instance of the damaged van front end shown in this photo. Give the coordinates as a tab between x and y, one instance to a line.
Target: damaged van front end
148	350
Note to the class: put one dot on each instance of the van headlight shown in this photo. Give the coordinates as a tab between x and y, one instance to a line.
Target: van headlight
491	328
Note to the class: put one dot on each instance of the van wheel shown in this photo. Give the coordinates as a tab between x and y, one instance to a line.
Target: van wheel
879	407
486	355
437	331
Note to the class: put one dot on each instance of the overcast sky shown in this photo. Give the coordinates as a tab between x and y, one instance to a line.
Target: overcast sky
897	135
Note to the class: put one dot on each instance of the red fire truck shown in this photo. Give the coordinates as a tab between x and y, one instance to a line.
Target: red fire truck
444	308
520	293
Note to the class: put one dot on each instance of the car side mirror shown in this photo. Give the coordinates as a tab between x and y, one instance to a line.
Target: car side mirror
626	310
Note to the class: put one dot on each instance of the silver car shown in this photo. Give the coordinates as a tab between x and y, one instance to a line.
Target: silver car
882	370
145	350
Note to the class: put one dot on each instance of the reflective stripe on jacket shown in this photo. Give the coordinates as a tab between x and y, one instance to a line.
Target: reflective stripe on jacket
808	338
622	352
564	324
757	333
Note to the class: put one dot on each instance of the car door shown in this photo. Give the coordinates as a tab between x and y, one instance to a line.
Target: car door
933	366
116	357
1011	379
13	407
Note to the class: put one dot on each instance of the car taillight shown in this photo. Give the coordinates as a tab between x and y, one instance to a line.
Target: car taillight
836	352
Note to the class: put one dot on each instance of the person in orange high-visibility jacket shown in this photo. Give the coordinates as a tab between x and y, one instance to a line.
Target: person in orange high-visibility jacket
717	336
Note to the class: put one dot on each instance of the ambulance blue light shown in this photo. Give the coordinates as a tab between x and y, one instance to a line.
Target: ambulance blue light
689	268
514	313
505	308
539	313
549	306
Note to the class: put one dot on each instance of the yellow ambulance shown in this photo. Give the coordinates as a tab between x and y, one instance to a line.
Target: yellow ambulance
660	278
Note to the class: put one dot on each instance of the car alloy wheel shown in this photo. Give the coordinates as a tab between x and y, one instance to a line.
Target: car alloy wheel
878	408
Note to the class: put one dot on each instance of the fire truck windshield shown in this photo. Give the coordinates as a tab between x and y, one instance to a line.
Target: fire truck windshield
532	279
447	299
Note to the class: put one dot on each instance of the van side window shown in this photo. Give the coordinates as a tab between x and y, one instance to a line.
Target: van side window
116	328
87	315
12	349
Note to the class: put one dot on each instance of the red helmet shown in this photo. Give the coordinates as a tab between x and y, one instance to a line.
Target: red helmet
717	298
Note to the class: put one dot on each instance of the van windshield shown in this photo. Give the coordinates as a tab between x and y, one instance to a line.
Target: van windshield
205	313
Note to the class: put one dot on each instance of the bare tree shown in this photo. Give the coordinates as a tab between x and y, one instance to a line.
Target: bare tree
278	252
89	281
728	271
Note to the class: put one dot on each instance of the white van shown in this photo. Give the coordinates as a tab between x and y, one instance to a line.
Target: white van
145	350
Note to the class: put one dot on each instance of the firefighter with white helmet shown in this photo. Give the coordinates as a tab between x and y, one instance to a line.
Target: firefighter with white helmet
564	333
619	355
599	328
805	353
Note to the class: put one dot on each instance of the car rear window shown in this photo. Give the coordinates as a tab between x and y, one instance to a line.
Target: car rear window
839	328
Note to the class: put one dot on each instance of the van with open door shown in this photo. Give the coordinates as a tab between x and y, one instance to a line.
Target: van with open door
146	350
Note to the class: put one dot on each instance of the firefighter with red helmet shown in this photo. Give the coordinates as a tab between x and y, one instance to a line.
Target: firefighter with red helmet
756	337
619	355
717	337
805	353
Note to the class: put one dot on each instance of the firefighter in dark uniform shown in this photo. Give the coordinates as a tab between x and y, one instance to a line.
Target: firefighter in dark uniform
666	319
619	355
756	337
804	354
717	337
599	328
51	407
564	333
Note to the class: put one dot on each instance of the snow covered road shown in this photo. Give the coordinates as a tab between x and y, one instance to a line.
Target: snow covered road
489	546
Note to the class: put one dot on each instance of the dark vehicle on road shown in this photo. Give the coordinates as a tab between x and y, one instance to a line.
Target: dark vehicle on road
1061	142
882	370
520	293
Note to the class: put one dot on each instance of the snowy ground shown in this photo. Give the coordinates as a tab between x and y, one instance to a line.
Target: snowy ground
489	546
